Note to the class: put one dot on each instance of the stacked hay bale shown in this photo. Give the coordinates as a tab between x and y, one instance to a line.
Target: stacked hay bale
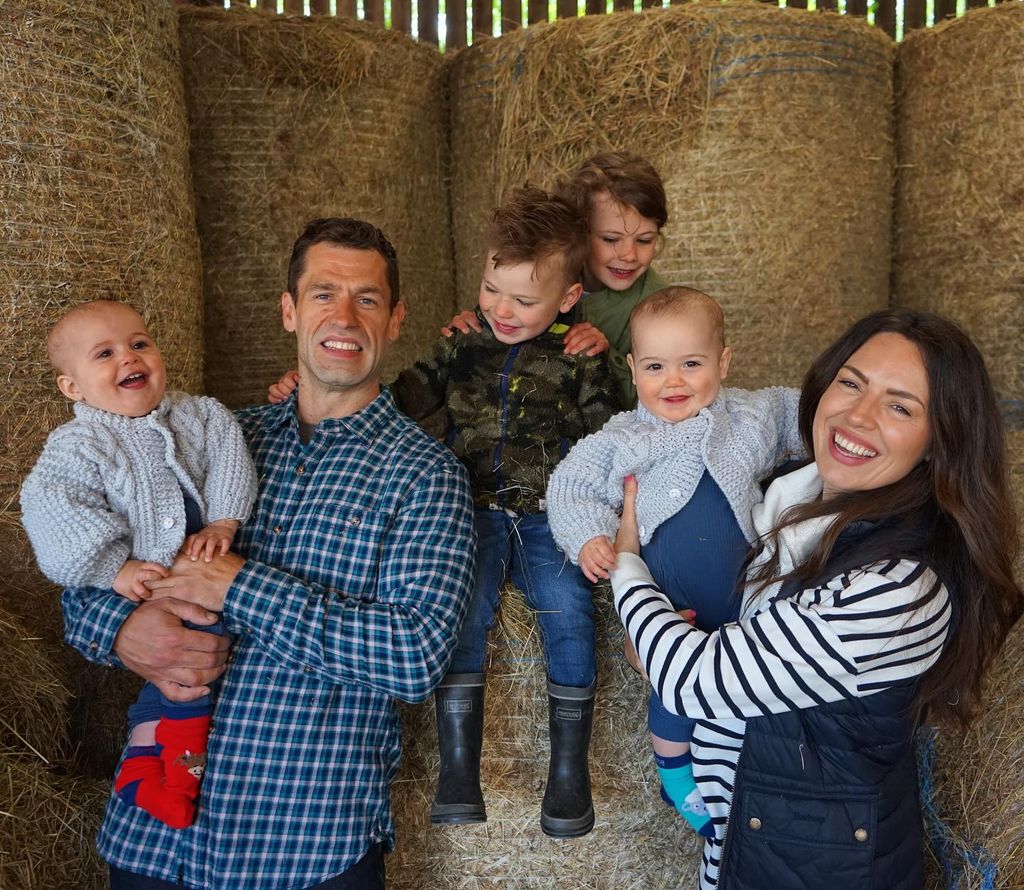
298	118
960	252
772	130
97	204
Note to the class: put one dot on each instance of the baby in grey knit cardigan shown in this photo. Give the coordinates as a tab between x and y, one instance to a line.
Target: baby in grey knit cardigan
139	475
698	452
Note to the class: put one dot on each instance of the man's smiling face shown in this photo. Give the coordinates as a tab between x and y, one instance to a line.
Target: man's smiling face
343	320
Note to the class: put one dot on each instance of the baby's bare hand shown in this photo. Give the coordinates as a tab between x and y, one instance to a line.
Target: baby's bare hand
597	558
131	580
214	540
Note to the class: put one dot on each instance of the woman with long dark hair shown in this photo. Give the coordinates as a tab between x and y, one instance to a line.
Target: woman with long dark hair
880	590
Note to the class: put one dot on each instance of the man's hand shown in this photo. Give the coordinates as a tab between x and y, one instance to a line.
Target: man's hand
280	391
628	538
466	322
585	337
211	541
181	662
597	558
202	583
131	579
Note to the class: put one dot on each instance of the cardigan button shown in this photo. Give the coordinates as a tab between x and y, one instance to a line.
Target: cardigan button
642	530
675	493
861	834
755	824
168	522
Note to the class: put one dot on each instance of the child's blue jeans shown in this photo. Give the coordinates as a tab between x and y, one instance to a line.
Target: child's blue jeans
520	548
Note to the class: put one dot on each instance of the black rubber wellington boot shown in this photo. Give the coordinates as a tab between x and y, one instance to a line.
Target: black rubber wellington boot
459	704
568	810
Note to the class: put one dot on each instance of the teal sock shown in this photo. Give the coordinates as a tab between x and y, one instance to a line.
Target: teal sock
679	789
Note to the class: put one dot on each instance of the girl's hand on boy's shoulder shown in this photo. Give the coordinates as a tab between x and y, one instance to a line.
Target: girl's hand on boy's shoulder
584	337
465	322
280	391
597	558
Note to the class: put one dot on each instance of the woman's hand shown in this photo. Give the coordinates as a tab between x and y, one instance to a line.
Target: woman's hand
628	538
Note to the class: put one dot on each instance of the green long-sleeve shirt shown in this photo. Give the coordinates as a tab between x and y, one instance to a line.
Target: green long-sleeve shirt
608	311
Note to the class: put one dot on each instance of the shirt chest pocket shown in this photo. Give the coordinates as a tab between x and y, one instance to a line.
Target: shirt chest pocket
342	547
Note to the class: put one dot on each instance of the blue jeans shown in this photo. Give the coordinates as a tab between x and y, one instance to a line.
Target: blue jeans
521	548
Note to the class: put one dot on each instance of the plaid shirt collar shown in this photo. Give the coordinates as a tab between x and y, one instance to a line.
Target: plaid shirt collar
366	424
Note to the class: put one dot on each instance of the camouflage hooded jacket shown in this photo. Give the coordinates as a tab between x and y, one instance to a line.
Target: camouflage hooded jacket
512	412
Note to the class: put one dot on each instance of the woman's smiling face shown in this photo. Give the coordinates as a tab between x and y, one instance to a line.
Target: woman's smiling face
871	427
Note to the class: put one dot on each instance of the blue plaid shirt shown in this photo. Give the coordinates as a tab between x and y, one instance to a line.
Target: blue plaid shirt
359	566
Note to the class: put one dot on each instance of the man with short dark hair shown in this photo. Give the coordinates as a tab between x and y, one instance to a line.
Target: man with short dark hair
353	577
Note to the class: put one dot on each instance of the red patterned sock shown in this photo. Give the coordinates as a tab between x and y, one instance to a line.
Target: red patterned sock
140	783
184	752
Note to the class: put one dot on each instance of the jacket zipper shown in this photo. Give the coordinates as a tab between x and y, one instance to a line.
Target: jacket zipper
506	371
722	876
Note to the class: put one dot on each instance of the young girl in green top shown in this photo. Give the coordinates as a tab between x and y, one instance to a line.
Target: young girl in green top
623	200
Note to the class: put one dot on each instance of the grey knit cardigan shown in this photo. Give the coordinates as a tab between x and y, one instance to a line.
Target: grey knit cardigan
108	488
739	438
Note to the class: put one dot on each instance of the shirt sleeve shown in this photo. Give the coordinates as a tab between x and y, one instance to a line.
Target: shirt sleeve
92	618
861	633
399	642
596	400
577	503
76	536
420	389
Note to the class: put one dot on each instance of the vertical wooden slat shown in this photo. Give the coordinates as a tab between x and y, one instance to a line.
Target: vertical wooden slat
827	5
320	7
455	24
294	7
426	20
885	16
511	15
974	4
536	11
595	7
648	4
796	4
347	9
914	15
856	7
944	8
565	9
401	16
373	11
483	18
268	4
622	4
677	2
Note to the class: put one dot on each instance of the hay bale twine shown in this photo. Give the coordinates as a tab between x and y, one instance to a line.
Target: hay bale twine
293	119
772	129
96	196
637	841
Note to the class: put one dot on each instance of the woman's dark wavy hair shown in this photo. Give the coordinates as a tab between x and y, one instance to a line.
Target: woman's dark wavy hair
960	494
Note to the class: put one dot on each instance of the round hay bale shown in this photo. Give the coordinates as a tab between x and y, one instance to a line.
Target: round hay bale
637	840
48	824
33	694
293	119
772	129
960	191
95	195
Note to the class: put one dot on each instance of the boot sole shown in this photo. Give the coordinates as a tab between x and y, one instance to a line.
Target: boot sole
567	828
457	814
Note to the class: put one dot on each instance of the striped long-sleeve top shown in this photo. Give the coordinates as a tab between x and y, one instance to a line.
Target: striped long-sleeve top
857	634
